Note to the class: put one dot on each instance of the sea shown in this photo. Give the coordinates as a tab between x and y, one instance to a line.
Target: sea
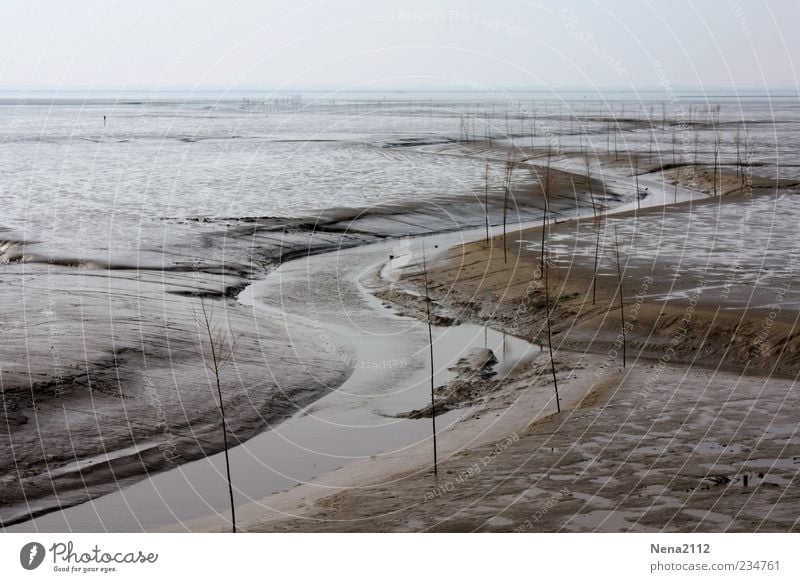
99	174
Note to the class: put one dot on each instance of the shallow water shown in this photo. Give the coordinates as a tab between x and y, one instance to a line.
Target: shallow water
735	255
91	191
354	421
71	181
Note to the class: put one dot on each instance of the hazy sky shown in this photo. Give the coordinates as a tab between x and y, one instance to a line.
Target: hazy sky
372	44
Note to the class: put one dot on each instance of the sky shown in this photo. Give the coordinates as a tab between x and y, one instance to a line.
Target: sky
366	45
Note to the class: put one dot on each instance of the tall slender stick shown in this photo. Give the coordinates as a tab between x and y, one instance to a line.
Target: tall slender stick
547	308
486	201
430	345
219	360
545	195
738	153
598	223
621	304
673	146
509	169
597	229
717	169
587	161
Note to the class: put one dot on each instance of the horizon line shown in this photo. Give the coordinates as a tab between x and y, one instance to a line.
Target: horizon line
394	89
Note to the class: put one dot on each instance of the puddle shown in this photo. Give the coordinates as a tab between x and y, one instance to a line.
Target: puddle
791	464
709	516
604	480
712	447
499	521
653	490
607	520
512	353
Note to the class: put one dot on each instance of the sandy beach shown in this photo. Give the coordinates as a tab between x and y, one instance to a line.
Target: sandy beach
707	312
133	393
694	433
616	460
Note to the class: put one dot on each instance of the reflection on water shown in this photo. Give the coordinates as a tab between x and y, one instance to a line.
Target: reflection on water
453	343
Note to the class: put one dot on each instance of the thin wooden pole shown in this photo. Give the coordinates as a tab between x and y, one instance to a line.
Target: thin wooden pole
216	369
486	201
598	222
621	303
430	344
509	169
547	311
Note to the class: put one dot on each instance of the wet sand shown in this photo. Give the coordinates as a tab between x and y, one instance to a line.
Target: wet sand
102	371
469	283
646	449
695	433
109	382
362	418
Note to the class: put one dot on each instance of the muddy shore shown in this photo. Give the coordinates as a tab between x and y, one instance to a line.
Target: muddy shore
688	453
695	432
103	378
470	283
